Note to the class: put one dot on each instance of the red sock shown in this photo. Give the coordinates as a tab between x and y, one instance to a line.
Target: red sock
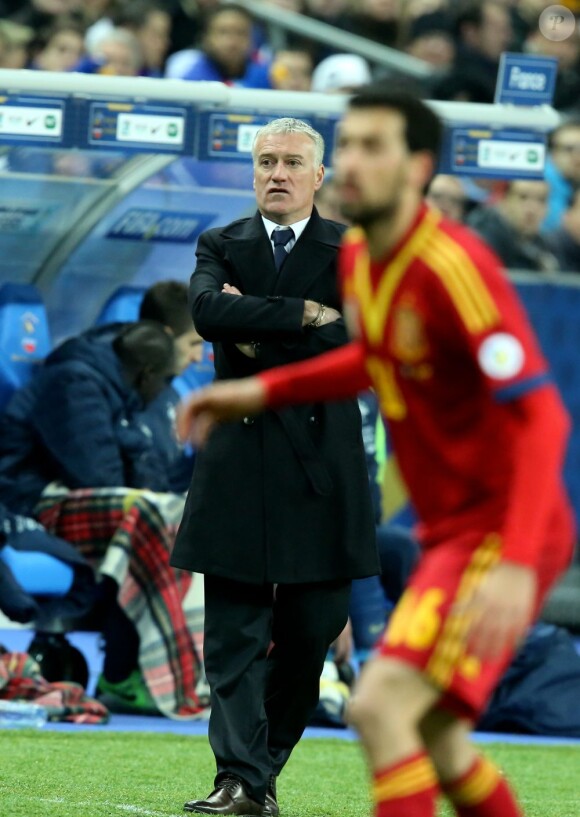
406	789
482	792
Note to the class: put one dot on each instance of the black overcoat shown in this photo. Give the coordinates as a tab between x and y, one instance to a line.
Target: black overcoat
284	496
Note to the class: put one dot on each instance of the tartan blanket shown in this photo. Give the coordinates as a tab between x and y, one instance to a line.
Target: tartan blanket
128	534
20	679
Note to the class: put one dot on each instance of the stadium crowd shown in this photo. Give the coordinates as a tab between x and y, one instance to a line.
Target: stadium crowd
533	226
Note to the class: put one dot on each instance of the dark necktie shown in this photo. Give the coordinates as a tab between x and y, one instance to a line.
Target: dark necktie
280	239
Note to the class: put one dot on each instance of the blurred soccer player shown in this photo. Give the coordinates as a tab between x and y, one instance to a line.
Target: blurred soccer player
480	435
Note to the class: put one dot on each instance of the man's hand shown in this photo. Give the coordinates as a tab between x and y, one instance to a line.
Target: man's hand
501	609
198	414
229	289
312	310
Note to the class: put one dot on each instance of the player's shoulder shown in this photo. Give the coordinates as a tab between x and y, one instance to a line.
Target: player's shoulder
460	243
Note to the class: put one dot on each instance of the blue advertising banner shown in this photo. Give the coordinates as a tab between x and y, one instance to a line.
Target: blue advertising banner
127	126
525	79
493	153
32	120
145	224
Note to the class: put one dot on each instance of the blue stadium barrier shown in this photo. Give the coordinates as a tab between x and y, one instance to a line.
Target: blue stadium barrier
24	336
554	311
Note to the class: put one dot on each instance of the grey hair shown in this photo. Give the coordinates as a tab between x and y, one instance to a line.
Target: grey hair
289	125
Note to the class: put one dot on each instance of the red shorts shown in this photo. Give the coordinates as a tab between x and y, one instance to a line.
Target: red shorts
424	633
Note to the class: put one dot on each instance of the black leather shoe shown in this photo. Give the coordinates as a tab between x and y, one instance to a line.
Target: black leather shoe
228	797
271	808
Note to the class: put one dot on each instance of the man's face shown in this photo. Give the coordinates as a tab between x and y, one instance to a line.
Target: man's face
566	153
62	52
119	59
155	38
286	176
188	349
446	193
229	40
292	71
372	164
495	33
524	206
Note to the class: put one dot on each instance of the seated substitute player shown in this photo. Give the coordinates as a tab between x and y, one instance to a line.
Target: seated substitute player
480	434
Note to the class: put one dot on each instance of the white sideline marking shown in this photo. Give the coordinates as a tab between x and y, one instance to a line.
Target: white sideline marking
107	804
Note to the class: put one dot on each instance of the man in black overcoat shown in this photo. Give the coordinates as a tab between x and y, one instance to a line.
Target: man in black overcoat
278	516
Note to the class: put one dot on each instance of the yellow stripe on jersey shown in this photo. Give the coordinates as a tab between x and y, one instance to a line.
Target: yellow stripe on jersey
478	786
464	283
451	645
374	306
416	776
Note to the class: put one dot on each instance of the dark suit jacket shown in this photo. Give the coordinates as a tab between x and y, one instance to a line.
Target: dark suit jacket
282	497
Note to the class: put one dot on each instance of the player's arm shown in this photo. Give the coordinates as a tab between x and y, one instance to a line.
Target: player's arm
504	605
495	332
336	375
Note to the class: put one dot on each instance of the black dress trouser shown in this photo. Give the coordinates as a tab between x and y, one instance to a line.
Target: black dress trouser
261	700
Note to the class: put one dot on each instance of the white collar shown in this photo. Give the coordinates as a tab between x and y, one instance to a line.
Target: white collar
297	227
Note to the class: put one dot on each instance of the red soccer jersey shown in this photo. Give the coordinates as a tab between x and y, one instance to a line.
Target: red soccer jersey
447	346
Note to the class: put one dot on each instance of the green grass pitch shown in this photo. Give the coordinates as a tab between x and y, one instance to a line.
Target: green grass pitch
93	774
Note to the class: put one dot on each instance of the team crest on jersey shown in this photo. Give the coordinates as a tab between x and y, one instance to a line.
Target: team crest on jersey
408	340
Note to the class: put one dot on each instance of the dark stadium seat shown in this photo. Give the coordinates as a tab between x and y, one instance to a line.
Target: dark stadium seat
24	336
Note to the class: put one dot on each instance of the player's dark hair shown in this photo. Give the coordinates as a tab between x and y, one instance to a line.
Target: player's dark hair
166	302
423	131
134	15
213	13
470	13
145	346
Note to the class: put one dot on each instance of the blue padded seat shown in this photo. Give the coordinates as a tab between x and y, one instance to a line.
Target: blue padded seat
24	336
122	305
39	574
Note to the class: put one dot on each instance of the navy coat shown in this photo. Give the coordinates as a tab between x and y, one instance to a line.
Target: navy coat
282	497
77	422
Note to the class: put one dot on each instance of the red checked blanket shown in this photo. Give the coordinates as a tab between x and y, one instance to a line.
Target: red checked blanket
128	535
20	679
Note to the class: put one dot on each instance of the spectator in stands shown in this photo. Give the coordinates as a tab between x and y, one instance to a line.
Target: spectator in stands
340	74
226	50
40	14
482	30
187	18
567	52
291	70
150	23
512	227
430	38
76	453
447	194
565	240
115	52
15	40
328	11
562	170
376	20
60	47
326	201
